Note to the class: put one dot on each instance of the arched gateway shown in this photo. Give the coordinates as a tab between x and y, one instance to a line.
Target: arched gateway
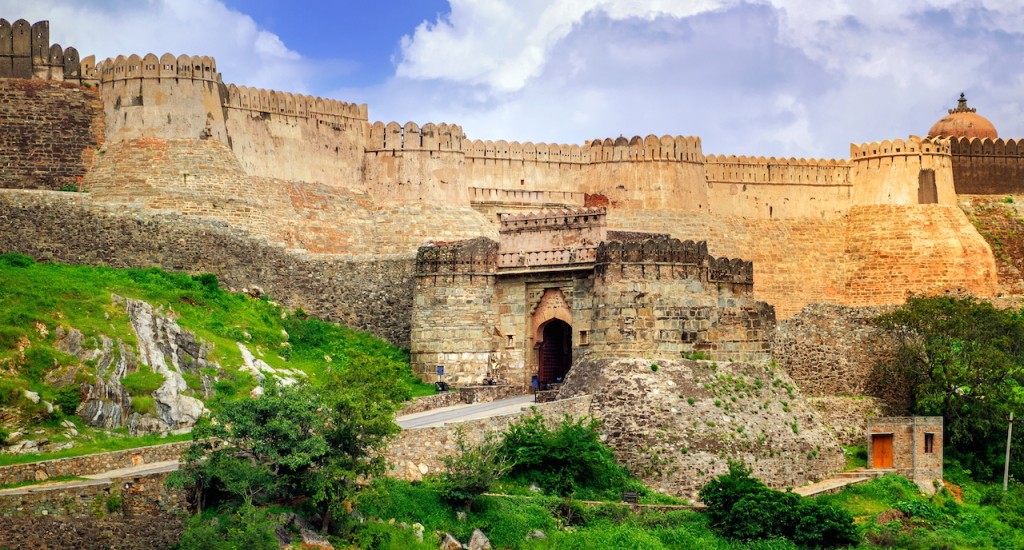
555	352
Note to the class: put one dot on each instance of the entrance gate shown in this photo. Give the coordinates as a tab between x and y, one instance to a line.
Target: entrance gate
555	352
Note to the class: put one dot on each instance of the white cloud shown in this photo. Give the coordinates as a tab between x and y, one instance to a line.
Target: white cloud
245	53
503	44
784	77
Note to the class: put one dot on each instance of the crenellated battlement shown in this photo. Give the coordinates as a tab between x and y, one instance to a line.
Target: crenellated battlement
26	52
912	146
411	137
149	66
473	257
771	170
673	252
987	147
526	152
650	148
258	100
549	220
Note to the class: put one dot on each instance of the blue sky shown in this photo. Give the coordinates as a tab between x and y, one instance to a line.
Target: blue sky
759	77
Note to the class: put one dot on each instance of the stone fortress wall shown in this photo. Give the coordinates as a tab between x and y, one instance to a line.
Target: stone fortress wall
166	134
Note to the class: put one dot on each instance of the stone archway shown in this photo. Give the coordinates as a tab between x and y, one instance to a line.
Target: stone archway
554	355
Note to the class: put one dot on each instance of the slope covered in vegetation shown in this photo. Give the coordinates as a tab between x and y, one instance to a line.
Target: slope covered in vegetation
78	344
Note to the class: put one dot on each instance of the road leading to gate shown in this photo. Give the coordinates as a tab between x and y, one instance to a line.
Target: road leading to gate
463	413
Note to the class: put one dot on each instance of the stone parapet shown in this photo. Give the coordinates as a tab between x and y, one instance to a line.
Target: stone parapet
91	464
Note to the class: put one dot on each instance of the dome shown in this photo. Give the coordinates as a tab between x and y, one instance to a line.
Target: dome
963	122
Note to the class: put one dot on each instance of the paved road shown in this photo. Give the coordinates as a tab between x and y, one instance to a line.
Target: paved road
462	413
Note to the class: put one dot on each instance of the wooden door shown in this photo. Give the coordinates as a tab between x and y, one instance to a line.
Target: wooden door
881	451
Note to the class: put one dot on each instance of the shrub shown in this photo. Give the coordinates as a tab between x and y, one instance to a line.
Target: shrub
473	469
143	404
250	528
68	398
742	507
564	460
823	525
16	260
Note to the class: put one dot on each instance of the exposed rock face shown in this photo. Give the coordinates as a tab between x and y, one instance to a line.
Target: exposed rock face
105	403
677	425
169	350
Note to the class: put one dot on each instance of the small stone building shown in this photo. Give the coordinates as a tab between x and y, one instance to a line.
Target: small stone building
911	445
558	285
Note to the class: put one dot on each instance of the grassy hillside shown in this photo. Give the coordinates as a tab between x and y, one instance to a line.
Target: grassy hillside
38	302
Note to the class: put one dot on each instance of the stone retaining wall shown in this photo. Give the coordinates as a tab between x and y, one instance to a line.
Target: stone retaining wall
91	464
417	452
372	295
129	496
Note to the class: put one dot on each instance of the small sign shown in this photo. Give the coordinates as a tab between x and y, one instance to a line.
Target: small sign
440	370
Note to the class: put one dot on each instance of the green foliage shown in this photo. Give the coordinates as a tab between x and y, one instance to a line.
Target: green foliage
565	460
16	260
741	507
69	188
964	360
379	535
248	528
68	398
114	503
143	381
4	434
473	469
143	404
654	367
1008	200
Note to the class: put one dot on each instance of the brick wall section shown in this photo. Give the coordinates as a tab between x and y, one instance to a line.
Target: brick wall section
140	496
51	133
371	295
677	426
846	416
418	452
909	456
92	464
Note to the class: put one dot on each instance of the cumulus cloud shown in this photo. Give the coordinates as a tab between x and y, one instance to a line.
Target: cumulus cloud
787	77
245	53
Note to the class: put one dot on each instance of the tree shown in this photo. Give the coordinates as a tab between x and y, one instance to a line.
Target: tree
313	441
961	359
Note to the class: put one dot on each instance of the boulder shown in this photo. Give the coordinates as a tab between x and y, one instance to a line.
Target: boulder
479	541
450	543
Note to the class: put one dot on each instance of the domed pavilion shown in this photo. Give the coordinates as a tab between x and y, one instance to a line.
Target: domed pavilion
963	121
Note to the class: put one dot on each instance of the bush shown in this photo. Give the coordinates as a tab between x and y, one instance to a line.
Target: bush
564	460
250	528
16	260
823	525
473	470
742	507
67	398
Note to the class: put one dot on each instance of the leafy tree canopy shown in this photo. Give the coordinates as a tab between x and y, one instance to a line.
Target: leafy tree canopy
964	360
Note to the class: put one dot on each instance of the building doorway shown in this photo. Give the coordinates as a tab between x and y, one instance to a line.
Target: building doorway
555	353
881	451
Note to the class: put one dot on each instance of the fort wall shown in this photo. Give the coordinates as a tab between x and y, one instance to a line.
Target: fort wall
453	310
26	52
406	163
374	295
988	167
903	172
771	188
663	298
51	136
296	137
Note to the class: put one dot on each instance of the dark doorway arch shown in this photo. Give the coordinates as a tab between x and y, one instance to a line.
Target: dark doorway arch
555	352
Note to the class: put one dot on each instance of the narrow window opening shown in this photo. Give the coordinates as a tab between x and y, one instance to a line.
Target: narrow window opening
510	341
584	337
929	443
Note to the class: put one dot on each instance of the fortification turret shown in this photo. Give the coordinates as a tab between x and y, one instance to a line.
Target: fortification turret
912	171
162	97
26	52
407	163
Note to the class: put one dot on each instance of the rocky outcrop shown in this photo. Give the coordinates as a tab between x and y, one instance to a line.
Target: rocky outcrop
676	423
168	350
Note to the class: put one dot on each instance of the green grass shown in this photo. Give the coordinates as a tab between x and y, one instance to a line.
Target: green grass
38	299
102	443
